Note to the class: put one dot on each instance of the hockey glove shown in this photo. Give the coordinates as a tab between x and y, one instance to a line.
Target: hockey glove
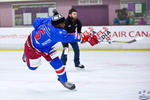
93	40
85	37
89	37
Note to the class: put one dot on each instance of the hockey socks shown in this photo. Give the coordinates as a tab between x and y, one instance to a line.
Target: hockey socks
60	70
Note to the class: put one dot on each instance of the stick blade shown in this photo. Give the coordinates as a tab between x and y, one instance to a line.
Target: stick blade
131	41
134	40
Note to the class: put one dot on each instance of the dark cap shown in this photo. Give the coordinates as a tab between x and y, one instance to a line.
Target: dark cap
57	18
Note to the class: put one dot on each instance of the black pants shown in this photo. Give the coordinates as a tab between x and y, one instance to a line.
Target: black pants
76	53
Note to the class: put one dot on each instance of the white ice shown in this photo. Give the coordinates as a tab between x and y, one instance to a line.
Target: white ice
109	75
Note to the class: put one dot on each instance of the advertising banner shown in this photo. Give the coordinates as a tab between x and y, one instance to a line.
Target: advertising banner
110	37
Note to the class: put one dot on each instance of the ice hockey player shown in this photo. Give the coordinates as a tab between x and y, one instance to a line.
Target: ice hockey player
47	32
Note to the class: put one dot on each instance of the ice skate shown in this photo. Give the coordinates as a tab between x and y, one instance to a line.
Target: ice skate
68	85
80	66
23	58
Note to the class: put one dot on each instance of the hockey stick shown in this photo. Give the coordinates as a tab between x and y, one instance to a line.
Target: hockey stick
105	34
131	41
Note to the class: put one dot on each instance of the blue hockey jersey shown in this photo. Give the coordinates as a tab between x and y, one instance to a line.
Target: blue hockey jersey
45	35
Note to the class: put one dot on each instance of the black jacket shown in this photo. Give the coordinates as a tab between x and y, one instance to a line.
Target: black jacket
71	26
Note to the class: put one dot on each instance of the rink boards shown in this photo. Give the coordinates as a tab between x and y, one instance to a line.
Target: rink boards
14	38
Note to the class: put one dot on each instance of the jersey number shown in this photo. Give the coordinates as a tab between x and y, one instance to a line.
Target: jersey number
38	34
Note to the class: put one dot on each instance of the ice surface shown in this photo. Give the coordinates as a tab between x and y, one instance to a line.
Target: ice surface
109	75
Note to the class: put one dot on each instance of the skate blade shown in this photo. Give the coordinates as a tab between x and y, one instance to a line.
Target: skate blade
77	68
